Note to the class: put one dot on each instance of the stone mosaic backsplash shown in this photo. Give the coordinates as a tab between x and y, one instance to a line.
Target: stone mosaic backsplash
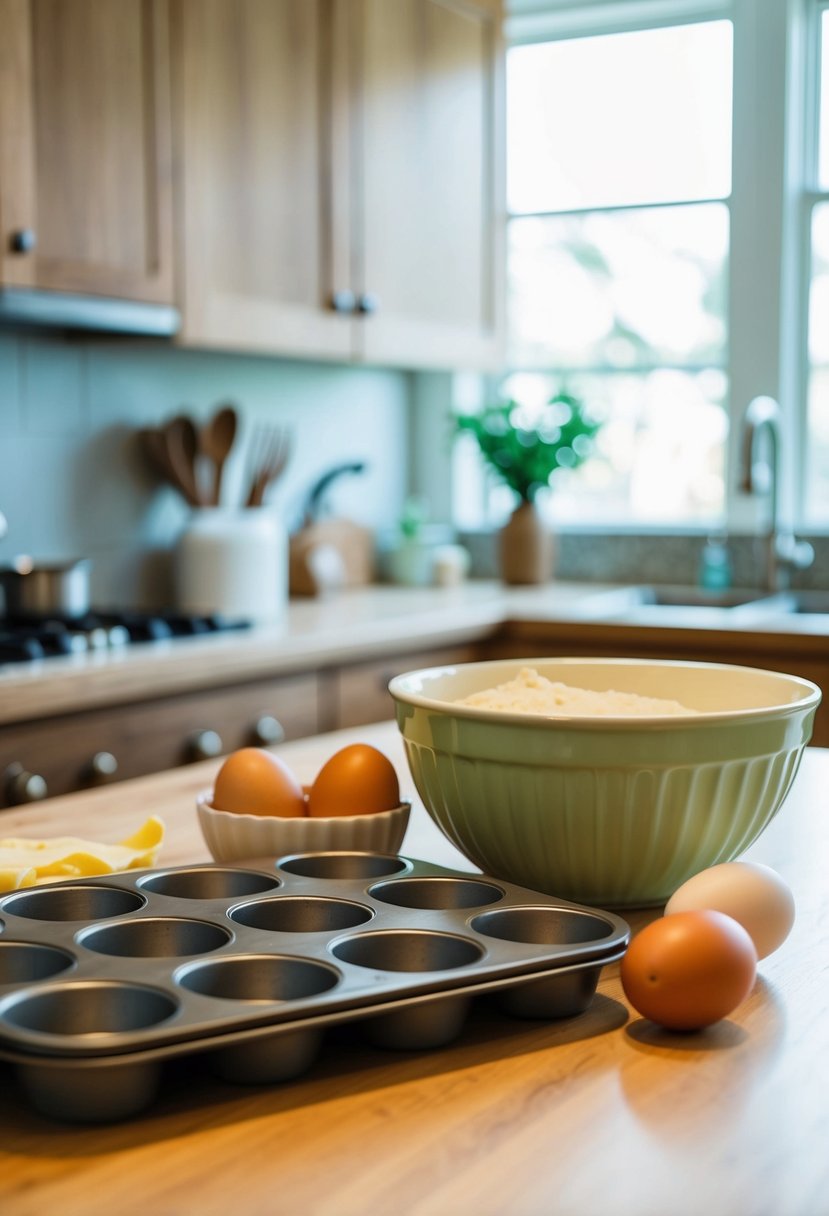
653	558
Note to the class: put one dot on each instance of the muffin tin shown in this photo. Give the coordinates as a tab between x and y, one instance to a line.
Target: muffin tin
102	980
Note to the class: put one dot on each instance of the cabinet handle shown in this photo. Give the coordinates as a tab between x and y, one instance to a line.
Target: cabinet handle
268	730
343	301
22	786
24	240
102	767
367	304
204	745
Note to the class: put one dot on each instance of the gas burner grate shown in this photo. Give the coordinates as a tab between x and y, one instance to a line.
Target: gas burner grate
26	639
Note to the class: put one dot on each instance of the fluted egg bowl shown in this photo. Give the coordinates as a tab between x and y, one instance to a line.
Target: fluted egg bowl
233	837
611	809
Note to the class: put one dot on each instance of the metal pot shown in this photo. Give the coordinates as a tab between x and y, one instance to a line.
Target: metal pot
34	589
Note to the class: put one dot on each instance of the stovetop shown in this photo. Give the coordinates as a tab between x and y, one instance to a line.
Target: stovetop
25	639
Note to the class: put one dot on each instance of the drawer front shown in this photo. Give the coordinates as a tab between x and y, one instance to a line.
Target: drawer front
70	752
361	692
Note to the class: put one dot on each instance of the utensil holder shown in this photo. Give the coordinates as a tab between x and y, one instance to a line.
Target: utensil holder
235	563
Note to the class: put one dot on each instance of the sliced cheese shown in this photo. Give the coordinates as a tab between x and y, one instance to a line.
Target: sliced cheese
25	863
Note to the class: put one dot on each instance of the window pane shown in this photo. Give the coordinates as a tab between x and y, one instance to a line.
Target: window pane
659	457
823	152
640	117
819	289
817	450
623	289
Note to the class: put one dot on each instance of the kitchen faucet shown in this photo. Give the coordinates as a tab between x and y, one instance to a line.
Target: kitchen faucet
784	552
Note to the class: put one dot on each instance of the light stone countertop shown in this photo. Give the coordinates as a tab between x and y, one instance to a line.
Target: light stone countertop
351	626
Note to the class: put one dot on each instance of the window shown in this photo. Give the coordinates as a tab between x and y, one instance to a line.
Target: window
668	250
816	512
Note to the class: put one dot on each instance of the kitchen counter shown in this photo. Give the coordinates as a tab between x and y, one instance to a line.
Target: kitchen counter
600	1113
358	624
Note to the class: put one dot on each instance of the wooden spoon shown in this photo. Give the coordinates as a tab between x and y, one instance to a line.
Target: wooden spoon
181	442
216	440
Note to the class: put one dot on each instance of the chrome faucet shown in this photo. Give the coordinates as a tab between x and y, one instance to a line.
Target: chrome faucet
784	552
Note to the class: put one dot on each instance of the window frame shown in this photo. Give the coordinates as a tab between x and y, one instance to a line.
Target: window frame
811	196
774	190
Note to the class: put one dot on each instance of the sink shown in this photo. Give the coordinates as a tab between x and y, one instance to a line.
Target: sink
698	597
680	605
807	602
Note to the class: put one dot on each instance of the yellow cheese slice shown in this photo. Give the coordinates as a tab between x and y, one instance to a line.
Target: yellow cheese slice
25	863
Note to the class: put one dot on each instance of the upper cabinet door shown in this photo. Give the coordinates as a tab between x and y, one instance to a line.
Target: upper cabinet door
429	180
341	178
85	147
255	81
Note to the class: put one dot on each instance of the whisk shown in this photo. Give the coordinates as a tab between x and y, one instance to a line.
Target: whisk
271	448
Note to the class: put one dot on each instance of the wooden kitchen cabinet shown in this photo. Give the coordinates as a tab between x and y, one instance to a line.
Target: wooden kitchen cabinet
341	178
85	148
154	735
360	691
427	135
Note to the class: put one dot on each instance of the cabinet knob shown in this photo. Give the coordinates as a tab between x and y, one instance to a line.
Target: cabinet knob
343	301
268	730
204	745
101	768
367	303
24	240
22	786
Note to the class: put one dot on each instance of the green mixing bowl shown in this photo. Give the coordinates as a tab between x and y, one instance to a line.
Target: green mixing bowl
606	810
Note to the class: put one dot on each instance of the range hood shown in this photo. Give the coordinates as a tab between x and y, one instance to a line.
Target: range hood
59	310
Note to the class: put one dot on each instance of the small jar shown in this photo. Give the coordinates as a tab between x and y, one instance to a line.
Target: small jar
233	562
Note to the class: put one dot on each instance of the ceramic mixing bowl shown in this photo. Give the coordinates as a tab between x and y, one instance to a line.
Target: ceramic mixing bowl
613	809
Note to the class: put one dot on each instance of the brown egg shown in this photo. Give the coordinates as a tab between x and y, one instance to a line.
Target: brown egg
253	781
690	969
358	780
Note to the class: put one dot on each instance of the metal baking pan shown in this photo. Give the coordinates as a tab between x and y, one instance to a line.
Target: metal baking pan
103	980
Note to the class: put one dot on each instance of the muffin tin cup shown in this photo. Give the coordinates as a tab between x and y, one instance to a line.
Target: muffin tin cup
251	964
101	1091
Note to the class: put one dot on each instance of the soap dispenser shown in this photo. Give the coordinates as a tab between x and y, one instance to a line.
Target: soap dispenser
715	565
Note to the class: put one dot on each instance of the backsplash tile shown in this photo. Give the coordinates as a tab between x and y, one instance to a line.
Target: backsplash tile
74	482
52	387
652	558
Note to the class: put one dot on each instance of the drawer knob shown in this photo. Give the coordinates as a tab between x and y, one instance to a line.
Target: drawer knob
268	730
102	767
343	301
24	240
23	786
204	745
367	304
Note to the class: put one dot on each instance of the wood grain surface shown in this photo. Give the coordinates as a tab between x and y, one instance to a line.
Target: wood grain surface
603	1113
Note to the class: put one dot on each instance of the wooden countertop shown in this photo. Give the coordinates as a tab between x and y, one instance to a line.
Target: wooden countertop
603	1113
366	622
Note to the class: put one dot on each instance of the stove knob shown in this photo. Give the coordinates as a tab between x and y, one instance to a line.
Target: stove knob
267	730
204	745
22	786
101	768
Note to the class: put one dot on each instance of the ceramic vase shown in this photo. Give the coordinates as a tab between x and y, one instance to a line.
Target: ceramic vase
526	547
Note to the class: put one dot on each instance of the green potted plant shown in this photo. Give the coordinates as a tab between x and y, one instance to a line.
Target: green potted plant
524	448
